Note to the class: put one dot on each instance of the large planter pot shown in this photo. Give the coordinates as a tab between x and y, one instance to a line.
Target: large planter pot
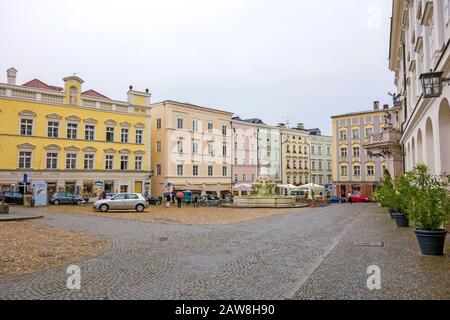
4	208
401	219
391	212
431	242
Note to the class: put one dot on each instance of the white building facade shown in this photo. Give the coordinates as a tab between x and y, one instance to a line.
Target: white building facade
420	38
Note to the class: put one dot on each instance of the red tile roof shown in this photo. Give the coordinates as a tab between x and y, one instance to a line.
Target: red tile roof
35	83
95	94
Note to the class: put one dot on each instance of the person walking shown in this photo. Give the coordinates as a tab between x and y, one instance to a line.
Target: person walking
168	200
179	198
195	200
350	198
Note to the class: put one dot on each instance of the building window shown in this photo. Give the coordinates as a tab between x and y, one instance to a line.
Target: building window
236	178
370	170
225	171
180	146
109	162
446	11
195	147
139	135
313	165
344	170
320	179
329	166
328	151
109	134
52	160
124	162
88	162
313	150
26	127
224	150
180	123
235	161
124	135
71	161
158	170
369	132
224	129
195	170
25	159
180	170
253	177
356	171
52	129
72	131
355	133
210	149
356	151
158	146
89	132
158	124
235	146
210	171
244	162
343	135
195	125
320	165
210	127
343	152
138	163
244	177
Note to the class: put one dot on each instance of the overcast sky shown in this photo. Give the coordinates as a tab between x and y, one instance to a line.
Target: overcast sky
302	59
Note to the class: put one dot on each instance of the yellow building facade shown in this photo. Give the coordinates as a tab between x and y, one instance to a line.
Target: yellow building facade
354	169
75	141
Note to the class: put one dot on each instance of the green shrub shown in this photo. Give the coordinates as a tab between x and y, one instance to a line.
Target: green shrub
429	206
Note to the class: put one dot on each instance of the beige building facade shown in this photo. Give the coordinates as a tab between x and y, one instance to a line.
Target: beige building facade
295	160
191	149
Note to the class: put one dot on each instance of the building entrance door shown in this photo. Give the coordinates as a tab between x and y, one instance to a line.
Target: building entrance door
138	187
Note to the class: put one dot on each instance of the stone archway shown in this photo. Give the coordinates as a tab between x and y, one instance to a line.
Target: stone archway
419	147
413	153
430	158
444	135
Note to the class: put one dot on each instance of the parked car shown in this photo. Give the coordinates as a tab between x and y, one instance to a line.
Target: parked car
66	198
122	201
13	197
359	198
338	200
153	200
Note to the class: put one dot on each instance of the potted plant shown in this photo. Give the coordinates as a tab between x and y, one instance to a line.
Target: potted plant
429	209
385	194
402	198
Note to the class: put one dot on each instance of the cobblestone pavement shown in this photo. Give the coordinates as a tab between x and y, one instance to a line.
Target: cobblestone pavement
405	273
267	259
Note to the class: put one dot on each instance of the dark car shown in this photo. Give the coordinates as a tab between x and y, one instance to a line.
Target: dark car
65	198
153	200
13	197
338	200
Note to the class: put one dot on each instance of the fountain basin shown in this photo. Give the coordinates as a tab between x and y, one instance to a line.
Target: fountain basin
266	202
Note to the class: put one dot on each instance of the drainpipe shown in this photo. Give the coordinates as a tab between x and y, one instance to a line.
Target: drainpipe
405	91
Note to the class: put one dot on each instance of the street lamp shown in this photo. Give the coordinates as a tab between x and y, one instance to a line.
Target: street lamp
432	84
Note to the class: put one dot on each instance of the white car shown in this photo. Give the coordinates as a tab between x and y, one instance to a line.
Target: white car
122	201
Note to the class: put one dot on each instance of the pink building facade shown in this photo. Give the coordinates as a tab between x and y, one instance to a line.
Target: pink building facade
244	152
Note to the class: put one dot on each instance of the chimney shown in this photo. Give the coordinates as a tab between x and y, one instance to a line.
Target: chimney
376	105
300	126
11	76
386	107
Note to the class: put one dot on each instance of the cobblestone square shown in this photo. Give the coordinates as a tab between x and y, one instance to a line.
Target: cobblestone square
306	254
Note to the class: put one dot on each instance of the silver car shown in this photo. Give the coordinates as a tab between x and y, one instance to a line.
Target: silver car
122	201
